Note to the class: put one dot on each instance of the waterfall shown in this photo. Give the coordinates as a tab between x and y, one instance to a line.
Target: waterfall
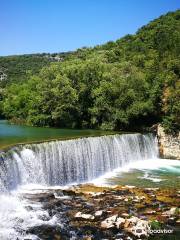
72	161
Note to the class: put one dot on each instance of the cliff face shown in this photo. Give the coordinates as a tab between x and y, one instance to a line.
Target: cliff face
169	146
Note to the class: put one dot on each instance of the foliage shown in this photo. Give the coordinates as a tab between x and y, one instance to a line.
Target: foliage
126	84
155	225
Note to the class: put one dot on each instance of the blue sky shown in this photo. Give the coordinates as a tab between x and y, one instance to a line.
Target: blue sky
35	26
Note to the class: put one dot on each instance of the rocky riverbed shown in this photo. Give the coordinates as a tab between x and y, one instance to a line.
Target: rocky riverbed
122	212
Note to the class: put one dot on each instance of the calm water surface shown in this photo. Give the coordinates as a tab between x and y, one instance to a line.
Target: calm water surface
14	134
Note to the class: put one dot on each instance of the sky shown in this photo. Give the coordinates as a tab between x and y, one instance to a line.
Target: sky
36	26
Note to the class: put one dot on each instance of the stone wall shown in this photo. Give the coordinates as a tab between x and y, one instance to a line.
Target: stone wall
169	146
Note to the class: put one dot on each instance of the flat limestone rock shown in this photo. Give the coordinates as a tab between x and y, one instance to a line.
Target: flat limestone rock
84	216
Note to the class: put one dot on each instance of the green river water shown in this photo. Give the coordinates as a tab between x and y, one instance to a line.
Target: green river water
16	134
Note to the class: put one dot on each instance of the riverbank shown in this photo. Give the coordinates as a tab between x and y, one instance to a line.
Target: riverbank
121	212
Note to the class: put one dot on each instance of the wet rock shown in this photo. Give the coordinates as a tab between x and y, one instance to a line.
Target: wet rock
171	212
129	186
40	197
137	227
60	195
109	222
120	236
136	200
95	232
97	194
119	197
69	192
89	205
98	213
125	215
130	221
150	212
143	218
84	216
150	189
178	222
53	204
47	232
87	238
120	222
171	221
133	225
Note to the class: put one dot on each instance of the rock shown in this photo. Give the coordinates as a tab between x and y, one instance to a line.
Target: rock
44	230
137	227
109	222
168	144
153	195
151	189
87	238
126	224
69	192
125	215
57	196
119	197
129	238
171	212
98	213
142	197
143	217
113	221
136	200
178	222
150	212
171	221
119	222
94	194
120	236
129	186
84	216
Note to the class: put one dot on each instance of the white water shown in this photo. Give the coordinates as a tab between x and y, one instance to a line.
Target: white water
60	163
16	217
171	166
72	161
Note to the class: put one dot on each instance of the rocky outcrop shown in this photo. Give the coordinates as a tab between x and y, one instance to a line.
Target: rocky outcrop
89	212
169	145
133	225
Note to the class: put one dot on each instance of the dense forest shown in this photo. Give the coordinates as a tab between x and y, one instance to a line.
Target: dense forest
127	84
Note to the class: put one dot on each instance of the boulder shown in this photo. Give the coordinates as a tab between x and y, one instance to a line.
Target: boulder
109	222
137	227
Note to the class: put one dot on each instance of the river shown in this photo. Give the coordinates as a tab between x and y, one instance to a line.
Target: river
29	172
11	134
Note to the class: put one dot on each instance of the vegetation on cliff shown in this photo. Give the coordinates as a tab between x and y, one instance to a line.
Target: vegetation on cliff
126	84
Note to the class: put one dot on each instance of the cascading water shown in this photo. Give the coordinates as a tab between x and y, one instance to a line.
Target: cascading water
59	163
72	161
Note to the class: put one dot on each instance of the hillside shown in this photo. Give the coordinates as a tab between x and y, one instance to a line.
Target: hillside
127	84
18	67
